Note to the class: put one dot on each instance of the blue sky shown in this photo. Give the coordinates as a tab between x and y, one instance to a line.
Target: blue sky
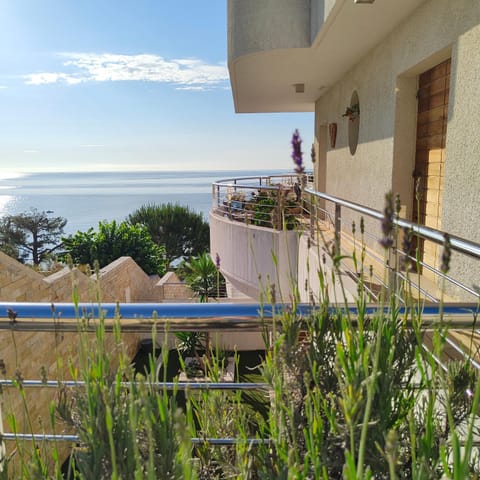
138	84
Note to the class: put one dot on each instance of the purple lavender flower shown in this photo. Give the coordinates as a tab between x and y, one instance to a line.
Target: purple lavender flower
387	222
297	152
446	254
217	261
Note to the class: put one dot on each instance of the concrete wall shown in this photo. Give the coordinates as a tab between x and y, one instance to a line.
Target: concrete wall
319	11
315	282
258	25
386	81
253	258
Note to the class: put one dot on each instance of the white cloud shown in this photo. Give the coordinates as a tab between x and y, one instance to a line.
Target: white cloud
201	88
46	77
188	73
3	87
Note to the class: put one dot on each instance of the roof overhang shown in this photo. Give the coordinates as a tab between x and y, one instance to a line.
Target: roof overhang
271	81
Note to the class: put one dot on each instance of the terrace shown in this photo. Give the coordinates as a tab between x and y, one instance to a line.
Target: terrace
304	236
272	226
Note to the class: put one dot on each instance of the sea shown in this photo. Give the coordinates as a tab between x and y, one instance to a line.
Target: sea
86	198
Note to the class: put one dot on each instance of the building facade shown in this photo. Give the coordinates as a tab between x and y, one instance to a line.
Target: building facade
395	90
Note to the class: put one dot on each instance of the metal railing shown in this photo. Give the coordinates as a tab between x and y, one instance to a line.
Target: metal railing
272	201
290	202
139	317
340	214
65	317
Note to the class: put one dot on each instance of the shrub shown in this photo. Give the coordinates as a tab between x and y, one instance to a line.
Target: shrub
113	241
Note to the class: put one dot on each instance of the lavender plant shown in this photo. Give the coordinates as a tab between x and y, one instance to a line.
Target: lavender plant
351	397
297	155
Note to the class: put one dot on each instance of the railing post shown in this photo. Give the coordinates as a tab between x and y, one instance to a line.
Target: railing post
313	216
338	227
3	448
277	219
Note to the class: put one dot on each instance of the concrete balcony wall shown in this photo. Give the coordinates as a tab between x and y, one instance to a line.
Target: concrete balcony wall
319	11
253	258
259	25
314	263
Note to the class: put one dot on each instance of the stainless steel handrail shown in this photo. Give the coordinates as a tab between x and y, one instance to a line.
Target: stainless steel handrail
457	313
154	385
259	201
233	182
458	244
52	437
205	317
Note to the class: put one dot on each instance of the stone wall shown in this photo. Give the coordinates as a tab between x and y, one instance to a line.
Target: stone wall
33	355
122	281
37	355
170	288
21	283
62	284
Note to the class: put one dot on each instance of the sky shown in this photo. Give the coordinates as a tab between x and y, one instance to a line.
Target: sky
98	85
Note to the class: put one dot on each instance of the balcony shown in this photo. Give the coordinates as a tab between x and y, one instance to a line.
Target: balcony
275	45
254	229
277	232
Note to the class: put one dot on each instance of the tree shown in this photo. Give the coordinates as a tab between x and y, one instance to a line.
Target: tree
10	238
203	277
31	235
182	231
113	241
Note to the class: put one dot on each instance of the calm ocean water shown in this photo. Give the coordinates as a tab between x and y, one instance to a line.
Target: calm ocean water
84	199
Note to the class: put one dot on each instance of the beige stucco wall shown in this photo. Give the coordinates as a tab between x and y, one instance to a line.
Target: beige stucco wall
253	258
408	50
461	198
386	82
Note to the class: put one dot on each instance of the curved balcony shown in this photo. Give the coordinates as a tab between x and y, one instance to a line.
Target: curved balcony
284	54
254	225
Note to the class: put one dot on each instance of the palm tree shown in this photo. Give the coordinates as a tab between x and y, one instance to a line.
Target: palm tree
201	276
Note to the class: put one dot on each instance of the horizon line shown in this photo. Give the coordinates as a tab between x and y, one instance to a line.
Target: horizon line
21	171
